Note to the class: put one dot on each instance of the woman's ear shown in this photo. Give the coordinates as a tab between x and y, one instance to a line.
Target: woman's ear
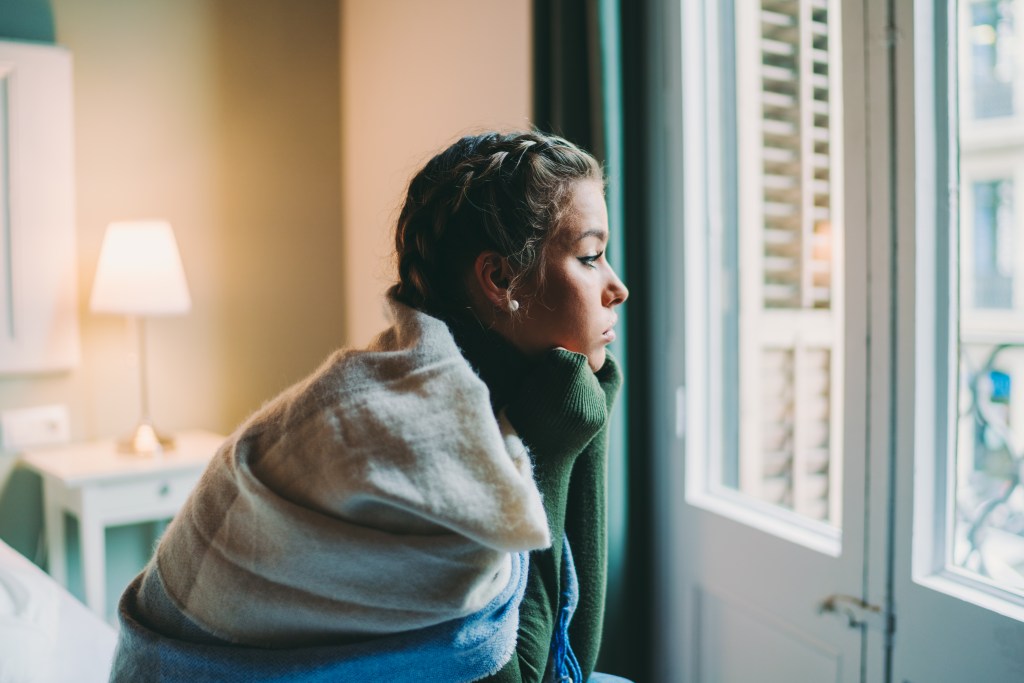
491	278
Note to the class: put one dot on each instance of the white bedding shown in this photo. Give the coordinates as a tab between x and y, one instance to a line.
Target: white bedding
46	635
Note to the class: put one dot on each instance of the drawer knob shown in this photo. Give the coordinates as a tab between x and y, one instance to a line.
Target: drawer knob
165	488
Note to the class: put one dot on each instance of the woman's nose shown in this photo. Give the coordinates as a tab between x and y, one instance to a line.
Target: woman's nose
617	290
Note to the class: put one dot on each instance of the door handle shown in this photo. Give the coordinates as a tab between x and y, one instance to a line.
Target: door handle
857	612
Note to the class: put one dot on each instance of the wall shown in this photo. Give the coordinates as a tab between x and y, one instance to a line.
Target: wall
415	76
222	117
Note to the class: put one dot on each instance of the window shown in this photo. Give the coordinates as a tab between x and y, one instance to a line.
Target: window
989	32
786	253
854	329
988	530
992	242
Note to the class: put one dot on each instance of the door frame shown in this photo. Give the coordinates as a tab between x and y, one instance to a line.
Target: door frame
938	610
679	537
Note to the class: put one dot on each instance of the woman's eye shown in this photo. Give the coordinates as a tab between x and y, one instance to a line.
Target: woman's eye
590	260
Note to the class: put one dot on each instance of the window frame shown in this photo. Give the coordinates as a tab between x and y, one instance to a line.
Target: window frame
932	249
706	239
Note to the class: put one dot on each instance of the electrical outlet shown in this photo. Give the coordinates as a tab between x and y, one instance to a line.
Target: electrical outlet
30	427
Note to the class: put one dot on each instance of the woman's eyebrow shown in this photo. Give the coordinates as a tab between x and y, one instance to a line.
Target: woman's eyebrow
593	232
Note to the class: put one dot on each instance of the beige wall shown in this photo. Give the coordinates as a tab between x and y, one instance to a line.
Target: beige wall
415	76
223	118
277	137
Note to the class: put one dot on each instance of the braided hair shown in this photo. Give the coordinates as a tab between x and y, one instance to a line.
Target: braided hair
506	192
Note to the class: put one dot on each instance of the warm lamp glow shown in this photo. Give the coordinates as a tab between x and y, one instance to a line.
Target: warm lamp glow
140	275
139	271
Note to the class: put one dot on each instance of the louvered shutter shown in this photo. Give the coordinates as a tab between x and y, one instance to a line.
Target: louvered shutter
790	239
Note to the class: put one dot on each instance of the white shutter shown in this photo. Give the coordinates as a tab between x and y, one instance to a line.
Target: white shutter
790	239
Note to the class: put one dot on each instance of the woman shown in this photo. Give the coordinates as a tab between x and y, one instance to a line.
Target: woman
374	522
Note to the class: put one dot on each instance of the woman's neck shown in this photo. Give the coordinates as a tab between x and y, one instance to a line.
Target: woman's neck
497	362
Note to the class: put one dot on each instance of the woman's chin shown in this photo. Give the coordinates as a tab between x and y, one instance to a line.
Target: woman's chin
596	359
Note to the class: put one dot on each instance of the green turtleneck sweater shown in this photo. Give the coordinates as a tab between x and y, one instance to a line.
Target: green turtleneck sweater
560	409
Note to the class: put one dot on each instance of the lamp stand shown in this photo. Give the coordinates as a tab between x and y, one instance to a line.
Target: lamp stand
144	439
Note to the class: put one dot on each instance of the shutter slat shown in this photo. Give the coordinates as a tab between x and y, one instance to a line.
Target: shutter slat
780	182
779	155
779	128
777	47
780	264
777	19
778	209
778	100
778	73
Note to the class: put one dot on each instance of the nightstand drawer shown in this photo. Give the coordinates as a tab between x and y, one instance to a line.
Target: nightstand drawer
143	497
103	487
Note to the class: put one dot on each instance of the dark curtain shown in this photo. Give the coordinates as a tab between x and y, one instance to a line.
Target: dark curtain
590	86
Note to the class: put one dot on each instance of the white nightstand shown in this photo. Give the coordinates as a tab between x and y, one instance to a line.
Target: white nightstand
104	488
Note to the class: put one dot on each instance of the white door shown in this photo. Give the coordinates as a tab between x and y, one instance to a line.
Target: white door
772	410
849	423
959	521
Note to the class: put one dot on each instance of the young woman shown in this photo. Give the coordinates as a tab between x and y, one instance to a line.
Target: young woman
431	508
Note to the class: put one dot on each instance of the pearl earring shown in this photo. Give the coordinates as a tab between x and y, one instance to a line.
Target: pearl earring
513	306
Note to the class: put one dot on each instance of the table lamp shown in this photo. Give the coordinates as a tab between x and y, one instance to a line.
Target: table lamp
140	275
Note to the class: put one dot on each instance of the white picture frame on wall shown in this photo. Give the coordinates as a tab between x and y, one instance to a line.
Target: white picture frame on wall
38	273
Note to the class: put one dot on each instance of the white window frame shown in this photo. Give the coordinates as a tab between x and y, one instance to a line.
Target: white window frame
933	259
704	229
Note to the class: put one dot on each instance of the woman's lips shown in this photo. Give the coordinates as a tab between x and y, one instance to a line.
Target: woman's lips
609	334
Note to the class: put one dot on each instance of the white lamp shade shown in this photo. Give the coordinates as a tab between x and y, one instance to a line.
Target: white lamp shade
140	271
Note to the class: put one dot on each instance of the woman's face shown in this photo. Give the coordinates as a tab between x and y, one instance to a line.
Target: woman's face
575	306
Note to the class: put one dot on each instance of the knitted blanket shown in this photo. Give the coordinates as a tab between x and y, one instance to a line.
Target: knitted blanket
377	496
456	651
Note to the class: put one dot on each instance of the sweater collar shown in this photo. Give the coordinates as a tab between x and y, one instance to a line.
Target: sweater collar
497	362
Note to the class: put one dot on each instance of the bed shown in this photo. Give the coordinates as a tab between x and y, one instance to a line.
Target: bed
46	635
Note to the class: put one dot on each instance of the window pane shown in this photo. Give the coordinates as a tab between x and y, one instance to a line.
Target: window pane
989	530
988	534
784	409
993	244
991	39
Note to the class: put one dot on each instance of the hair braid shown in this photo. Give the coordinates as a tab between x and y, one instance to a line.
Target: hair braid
505	192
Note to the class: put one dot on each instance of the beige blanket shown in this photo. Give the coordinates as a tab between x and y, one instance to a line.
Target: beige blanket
378	495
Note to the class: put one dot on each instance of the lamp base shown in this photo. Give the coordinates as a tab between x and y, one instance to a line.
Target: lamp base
146	440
